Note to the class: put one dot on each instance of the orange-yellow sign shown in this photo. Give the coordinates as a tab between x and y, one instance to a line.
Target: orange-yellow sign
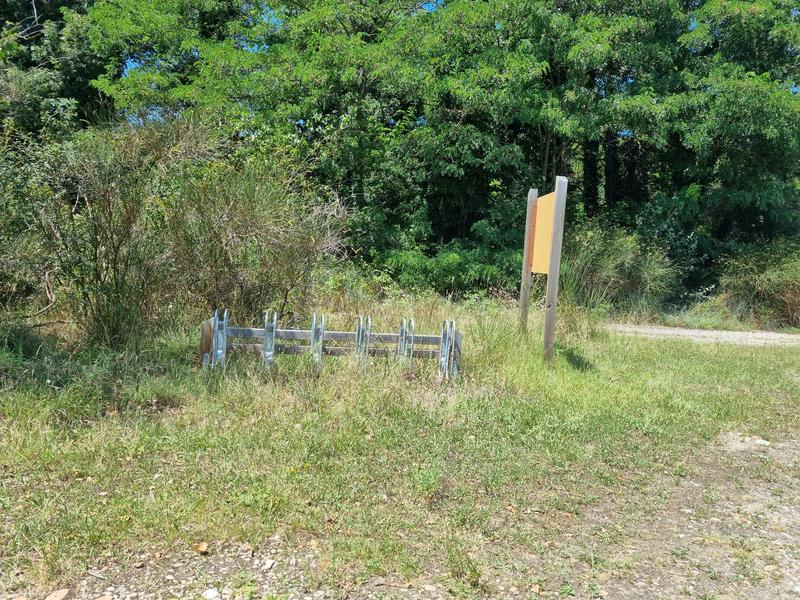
542	232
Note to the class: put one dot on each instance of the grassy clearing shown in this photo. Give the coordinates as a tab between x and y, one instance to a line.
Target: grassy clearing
105	454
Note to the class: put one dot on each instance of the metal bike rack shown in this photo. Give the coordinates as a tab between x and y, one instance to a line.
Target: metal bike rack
218	338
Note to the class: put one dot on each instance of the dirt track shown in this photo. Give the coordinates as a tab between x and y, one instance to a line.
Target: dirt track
709	336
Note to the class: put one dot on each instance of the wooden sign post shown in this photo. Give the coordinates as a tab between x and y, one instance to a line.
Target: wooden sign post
527	260
544	231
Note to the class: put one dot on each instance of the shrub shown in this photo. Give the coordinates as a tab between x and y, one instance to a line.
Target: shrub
446	271
615	269
599	268
763	283
250	236
455	269
22	271
141	222
23	268
97	201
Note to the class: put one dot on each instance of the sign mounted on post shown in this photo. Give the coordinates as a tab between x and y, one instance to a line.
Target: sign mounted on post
544	230
543	240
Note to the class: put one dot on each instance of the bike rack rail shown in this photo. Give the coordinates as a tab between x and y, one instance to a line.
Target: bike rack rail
217	340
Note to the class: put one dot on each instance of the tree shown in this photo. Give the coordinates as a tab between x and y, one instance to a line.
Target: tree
433	119
46	66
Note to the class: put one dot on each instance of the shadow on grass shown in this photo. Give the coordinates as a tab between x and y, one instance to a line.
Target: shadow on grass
574	358
23	340
75	385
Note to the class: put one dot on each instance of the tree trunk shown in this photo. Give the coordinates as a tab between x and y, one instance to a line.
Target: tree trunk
634	184
591	176
611	169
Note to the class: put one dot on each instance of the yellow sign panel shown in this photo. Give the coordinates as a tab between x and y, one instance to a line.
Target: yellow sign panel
543	227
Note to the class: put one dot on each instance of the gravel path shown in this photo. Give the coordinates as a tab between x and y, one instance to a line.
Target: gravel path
710	336
727	530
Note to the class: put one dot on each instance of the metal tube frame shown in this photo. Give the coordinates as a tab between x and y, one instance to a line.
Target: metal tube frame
448	354
219	340
270	327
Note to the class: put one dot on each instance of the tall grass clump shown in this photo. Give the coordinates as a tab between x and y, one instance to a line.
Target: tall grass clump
763	283
614	270
249	233
154	224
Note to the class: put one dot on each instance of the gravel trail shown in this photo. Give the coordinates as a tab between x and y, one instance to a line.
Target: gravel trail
710	336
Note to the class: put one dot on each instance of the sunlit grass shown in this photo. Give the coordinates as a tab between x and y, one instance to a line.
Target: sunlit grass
101	453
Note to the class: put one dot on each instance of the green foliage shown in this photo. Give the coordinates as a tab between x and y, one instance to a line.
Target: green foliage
170	54
605	268
763	283
747	153
22	260
452	269
674	121
137	224
433	123
46	65
612	269
249	236
97	202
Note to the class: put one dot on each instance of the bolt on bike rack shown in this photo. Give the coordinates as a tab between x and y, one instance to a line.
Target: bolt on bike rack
217	340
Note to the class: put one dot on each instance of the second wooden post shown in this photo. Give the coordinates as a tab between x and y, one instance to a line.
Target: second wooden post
554	270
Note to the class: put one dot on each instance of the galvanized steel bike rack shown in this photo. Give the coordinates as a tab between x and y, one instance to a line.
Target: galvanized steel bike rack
214	340
405	345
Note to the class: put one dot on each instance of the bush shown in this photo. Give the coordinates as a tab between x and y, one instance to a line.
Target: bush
763	283
97	201
142	222
600	268
22	271
250	236
454	269
614	269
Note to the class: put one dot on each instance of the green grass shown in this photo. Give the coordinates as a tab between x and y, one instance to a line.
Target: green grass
711	313
105	453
